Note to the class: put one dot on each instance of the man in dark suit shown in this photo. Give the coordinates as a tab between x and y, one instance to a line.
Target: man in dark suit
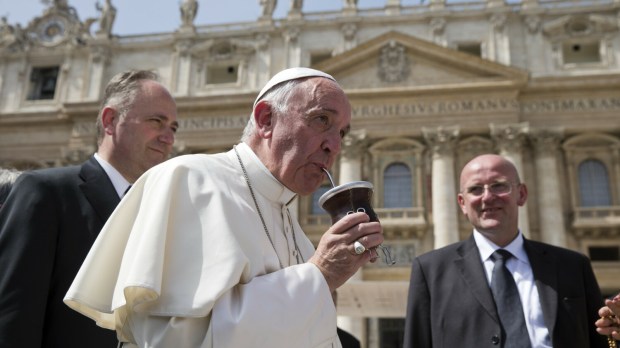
451	303
52	216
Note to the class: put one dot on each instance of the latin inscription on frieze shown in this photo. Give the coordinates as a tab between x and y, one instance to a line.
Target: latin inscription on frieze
571	105
212	123
447	107
435	107
420	108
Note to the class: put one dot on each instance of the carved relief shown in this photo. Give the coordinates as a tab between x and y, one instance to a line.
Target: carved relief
393	63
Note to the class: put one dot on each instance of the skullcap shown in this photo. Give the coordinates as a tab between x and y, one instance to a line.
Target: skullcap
288	75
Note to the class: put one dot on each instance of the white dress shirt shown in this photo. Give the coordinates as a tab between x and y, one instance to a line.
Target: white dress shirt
118	180
521	270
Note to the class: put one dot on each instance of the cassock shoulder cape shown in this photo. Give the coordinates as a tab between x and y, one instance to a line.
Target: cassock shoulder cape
186	241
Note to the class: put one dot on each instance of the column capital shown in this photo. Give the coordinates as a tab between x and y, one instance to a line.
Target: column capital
354	144
509	137
441	139
547	140
292	34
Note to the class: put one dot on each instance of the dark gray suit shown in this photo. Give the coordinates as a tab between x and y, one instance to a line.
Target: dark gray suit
47	226
450	303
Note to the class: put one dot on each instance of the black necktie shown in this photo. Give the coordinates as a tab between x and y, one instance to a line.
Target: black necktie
508	303
126	190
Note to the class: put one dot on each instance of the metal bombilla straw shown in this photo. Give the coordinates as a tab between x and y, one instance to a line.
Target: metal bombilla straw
389	260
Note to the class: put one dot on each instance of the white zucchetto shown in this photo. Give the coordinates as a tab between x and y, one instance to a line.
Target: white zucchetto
288	75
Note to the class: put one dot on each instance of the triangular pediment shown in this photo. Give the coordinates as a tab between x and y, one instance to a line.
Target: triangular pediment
397	60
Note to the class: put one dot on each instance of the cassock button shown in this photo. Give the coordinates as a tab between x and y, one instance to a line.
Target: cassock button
495	340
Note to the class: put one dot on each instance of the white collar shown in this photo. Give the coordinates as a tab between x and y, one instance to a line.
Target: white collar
261	178
486	247
118	180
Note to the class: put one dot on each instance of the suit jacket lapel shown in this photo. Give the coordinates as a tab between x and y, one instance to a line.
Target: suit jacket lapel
98	189
472	271
545	277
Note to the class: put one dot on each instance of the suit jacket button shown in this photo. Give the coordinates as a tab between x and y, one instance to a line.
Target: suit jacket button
495	340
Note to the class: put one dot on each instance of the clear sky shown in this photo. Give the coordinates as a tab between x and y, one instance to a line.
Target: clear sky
156	16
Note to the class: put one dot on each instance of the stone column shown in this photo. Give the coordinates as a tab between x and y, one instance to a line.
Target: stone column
353	149
509	140
182	68
552	224
445	219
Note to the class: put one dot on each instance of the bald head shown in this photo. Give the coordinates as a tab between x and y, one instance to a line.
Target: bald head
487	163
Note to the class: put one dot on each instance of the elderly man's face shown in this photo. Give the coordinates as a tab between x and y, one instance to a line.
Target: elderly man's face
308	136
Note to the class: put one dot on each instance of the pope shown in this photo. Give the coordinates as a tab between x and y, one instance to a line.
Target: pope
204	251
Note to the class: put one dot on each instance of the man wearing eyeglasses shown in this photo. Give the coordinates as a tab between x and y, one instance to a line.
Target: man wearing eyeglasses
498	289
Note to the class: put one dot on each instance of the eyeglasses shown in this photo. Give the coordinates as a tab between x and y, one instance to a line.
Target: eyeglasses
497	188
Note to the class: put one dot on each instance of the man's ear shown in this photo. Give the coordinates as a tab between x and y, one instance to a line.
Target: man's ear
264	119
109	119
461	201
522	189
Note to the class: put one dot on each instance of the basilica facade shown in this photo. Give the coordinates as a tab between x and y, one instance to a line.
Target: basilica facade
431	86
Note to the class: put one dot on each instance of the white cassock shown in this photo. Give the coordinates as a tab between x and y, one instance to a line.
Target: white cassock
184	261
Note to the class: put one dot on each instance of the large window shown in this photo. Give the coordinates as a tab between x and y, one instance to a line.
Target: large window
43	83
397	186
594	187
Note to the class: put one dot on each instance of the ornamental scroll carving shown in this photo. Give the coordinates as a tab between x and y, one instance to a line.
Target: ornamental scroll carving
442	140
510	137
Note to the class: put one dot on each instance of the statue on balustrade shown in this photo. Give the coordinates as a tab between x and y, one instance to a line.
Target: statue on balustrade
189	9
106	19
267	6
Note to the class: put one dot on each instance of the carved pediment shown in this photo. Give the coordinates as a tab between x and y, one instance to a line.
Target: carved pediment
398	60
